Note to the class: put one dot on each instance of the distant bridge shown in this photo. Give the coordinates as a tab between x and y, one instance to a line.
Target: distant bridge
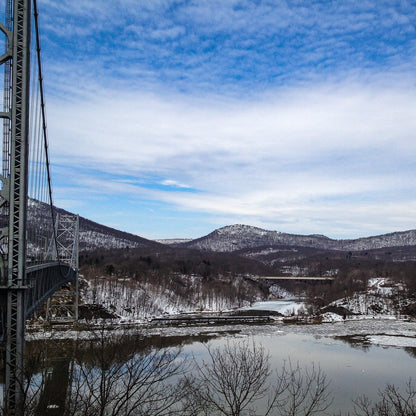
316	279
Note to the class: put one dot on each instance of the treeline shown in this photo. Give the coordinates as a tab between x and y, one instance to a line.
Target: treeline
207	278
140	262
139	283
353	275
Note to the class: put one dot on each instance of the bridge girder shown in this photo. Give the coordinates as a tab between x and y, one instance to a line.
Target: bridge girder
22	290
16	204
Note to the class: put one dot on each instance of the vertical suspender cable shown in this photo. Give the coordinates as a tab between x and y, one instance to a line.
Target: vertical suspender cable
42	105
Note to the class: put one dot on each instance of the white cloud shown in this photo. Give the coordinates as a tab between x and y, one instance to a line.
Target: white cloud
147	132
312	152
170	182
223	45
297	114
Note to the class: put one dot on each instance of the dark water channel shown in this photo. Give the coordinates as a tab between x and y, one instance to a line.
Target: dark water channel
358	357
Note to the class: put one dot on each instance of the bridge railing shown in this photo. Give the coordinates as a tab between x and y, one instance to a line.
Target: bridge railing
42	281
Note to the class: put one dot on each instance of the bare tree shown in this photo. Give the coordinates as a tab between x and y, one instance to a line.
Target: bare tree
234	378
237	377
306	393
143	384
392	402
136	387
111	378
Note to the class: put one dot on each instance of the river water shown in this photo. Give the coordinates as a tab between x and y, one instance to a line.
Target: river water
353	366
359	357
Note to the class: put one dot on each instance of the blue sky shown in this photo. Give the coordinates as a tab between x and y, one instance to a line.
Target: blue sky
172	118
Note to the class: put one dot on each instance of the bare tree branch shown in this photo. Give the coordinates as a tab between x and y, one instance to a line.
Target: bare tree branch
238	377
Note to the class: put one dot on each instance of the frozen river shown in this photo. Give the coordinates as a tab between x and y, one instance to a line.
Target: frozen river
359	357
285	307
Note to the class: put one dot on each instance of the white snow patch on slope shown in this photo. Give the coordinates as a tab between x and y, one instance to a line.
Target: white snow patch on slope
331	317
133	300
285	307
379	299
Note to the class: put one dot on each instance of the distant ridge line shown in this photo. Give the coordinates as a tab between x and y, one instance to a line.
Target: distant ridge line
239	237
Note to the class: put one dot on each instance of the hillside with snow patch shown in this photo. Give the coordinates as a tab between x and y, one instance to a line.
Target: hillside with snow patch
239	237
91	234
136	300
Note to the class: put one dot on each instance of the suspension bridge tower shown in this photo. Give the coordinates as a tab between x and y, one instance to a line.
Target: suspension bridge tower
28	275
14	191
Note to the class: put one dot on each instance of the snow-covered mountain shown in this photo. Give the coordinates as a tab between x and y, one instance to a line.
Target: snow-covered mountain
91	234
174	241
238	237
226	239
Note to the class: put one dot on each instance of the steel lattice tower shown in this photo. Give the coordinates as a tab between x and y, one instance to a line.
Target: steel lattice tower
14	194
64	302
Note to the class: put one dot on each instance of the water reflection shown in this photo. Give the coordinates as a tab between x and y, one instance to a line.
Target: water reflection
356	341
354	366
107	372
411	351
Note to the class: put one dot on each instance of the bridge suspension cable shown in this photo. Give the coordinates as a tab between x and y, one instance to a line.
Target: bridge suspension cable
42	242
30	266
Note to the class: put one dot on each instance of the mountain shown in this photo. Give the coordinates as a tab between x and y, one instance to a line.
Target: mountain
231	238
174	241
239	237
91	234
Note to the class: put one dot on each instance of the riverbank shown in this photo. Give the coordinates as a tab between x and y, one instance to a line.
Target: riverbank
384	331
352	353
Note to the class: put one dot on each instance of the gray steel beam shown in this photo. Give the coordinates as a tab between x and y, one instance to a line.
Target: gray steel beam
18	184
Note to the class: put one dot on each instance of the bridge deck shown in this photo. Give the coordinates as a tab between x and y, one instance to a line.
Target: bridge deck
42	280
305	278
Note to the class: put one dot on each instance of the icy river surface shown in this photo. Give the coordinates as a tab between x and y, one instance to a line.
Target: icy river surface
358	356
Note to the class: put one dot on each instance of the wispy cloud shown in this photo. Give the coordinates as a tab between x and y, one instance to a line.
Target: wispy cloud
262	158
173	183
223	45
293	115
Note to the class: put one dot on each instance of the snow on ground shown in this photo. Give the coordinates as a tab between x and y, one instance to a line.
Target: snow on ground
367	304
331	317
294	270
278	292
381	298
383	286
285	307
132	300
392	333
